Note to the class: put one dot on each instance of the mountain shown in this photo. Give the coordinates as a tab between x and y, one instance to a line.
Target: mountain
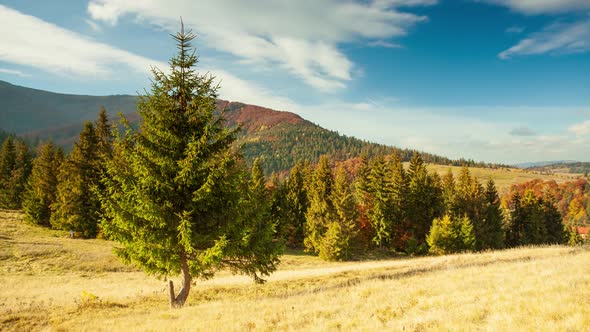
574	167
28	111
542	163
279	138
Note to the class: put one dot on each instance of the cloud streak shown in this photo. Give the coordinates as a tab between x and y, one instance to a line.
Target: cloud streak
13	72
29	41
555	39
300	37
536	7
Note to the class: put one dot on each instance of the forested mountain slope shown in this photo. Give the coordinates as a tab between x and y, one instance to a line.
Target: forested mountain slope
279	138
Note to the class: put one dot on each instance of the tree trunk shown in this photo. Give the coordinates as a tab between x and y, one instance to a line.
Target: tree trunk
180	299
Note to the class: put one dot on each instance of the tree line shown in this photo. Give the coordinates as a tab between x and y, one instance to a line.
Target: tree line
328	209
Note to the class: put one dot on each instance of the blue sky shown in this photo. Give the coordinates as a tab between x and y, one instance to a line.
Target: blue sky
494	80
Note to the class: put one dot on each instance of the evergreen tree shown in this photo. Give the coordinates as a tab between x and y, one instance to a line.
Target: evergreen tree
321	209
515	227
340	236
553	222
492	236
534	225
296	206
19	175
104	132
399	203
448	191
380	191
42	185
77	206
425	199
7	165
363	199
177	196
451	235
467	240
15	167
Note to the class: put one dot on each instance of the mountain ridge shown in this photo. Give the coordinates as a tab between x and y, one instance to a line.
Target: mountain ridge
279	138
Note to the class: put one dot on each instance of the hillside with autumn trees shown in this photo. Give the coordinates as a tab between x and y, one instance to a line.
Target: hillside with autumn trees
279	138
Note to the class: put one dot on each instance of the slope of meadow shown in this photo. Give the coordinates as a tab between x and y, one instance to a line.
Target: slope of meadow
52	282
504	177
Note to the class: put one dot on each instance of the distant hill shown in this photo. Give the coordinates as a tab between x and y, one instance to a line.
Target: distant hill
542	163
279	138
574	167
27	111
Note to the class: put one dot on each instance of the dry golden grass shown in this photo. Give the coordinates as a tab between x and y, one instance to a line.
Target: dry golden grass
51	282
504	177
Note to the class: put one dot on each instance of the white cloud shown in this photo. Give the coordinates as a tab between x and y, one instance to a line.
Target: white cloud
383	43
13	72
535	7
556	39
580	129
93	25
29	41
515	29
300	36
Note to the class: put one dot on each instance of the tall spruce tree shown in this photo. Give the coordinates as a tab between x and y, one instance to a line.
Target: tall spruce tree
399	203
321	209
425	198
296	206
77	206
554	226
178	199
341	233
492	235
380	190
42	185
7	165
15	167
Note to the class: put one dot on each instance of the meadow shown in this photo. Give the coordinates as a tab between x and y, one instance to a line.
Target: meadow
504	177
52	282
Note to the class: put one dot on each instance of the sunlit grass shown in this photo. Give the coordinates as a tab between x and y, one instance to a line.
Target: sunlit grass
504	177
52	282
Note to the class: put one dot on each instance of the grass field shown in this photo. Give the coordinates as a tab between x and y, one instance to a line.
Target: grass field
504	177
51	282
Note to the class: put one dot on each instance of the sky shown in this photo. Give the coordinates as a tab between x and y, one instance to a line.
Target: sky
491	80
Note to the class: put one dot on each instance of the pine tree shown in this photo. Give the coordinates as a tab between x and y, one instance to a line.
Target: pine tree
492	233
296	206
534	225
515	228
451	235
555	233
104	132
321	209
448	191
77	207
380	190
425	199
7	165
42	185
399	203
15	167
339	239
467	240
363	199
178	199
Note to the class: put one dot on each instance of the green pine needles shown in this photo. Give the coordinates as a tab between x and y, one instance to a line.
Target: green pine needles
176	195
